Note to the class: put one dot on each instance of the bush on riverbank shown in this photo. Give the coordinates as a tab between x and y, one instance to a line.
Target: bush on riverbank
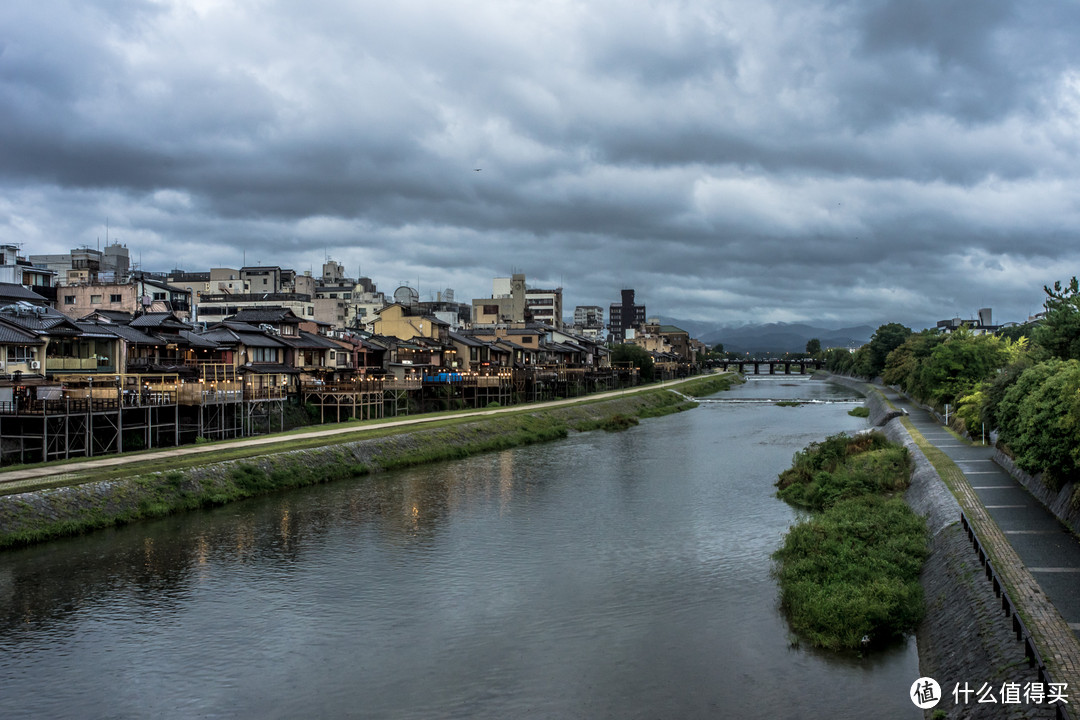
849	576
842	467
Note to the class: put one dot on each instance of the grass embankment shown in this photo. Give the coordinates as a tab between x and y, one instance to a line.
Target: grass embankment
162	486
849	575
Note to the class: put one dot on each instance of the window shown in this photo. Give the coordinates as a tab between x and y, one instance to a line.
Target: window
116	297
264	281
491	309
19	354
95	299
261	355
159	296
527	340
69	299
310	310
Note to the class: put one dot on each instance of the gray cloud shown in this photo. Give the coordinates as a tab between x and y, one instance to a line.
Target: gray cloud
838	160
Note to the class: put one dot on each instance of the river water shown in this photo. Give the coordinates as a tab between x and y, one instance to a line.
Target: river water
621	575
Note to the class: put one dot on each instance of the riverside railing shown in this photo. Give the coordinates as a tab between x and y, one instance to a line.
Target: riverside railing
1034	658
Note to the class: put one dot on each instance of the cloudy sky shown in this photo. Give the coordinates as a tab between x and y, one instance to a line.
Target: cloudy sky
733	161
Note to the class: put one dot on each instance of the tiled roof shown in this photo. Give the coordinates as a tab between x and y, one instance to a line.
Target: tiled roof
93	330
14	336
198	341
466	340
268	368
254	339
264	315
156	320
116	316
15	291
38	319
130	334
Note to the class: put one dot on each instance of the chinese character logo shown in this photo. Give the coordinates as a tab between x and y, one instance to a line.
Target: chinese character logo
925	693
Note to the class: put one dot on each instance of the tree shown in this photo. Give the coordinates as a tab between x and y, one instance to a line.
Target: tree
638	356
903	364
1059	331
1042	412
813	347
718	348
959	364
886	339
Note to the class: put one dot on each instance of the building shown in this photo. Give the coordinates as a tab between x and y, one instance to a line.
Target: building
213	307
139	294
506	304
589	321
665	339
406	323
265	279
18	270
624	317
545	306
86	265
981	326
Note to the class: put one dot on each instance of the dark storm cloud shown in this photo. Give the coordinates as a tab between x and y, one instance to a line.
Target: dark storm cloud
731	161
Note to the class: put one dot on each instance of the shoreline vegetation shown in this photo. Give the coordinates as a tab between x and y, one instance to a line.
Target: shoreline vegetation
849	574
162	486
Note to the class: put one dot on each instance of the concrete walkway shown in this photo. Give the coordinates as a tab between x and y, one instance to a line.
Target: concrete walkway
1041	557
57	470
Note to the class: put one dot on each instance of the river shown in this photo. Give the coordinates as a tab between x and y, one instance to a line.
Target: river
622	575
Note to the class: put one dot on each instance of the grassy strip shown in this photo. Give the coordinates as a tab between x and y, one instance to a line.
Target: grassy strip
660	402
849	576
708	385
165	485
71	510
953	477
842	467
861	412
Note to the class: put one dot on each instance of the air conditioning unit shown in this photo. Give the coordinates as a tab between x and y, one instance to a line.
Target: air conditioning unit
35	364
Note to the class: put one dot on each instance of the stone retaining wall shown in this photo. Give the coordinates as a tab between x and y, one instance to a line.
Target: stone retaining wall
965	636
1060	503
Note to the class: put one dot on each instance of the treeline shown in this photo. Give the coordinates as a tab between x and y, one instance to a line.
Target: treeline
1023	382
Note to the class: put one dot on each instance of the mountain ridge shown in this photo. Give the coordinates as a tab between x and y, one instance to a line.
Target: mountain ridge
776	338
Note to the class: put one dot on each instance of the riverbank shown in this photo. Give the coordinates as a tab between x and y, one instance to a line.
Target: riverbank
964	635
173	484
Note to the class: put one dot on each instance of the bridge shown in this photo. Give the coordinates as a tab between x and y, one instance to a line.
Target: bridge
772	365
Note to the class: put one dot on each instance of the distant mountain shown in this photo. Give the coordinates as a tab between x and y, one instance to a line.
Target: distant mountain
774	338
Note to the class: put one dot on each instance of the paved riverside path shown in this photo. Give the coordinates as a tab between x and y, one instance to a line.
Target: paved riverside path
1025	534
110	461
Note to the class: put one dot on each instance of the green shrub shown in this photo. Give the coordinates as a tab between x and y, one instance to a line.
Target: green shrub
842	467
861	412
849	578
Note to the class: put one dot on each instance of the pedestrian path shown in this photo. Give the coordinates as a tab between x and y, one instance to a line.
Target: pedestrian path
52	471
1043	554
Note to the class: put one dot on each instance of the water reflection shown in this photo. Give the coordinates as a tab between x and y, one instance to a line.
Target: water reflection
621	575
